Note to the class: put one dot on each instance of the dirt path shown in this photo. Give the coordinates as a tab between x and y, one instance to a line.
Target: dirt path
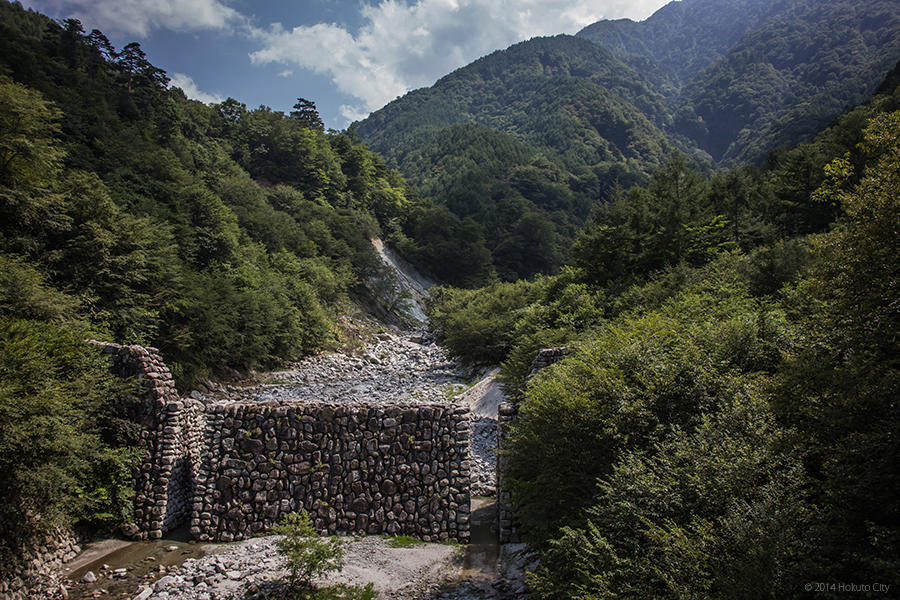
485	396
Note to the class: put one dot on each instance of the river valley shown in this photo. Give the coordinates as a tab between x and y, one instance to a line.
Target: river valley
393	365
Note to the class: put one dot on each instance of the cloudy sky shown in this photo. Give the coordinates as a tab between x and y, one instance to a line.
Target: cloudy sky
349	56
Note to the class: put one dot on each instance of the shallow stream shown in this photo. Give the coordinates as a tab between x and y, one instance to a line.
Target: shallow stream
480	558
144	562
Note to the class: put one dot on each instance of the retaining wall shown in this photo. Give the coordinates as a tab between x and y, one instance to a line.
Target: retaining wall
171	436
506	525
235	470
379	468
41	575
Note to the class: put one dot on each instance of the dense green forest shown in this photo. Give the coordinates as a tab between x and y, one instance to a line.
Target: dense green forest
726	424
228	238
222	235
722	81
690	203
522	141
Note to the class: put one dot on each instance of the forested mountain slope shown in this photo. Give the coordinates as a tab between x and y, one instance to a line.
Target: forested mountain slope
527	136
721	81
747	76
229	238
682	38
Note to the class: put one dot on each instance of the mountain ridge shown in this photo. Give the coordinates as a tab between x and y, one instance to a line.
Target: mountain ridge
625	37
722	82
758	75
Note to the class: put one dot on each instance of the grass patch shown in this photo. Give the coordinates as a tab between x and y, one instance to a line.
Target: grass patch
452	390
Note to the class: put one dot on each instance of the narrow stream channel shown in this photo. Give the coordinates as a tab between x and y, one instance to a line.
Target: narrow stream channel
480	559
142	561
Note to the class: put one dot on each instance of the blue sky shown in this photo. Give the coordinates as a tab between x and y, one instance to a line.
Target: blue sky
349	56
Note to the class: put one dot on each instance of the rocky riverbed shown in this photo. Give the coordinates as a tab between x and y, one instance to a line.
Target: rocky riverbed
482	461
253	569
390	366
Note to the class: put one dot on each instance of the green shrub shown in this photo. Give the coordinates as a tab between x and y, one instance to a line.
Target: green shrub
638	378
336	592
840	388
478	326
308	555
565	311
713	513
57	465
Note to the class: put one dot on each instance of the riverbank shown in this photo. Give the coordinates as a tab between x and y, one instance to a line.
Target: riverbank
387	366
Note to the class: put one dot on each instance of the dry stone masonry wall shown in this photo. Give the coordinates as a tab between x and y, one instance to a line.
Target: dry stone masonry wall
235	469
380	468
40	576
546	357
171	437
506	525
181	451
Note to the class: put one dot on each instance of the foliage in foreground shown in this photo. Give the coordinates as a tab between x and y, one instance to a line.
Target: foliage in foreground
710	511
630	386
741	450
307	554
726	426
64	457
840	388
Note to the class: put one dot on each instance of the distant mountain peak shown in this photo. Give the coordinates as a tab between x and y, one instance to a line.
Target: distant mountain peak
548	126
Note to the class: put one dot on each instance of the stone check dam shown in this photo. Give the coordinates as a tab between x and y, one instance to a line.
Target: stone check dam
233	470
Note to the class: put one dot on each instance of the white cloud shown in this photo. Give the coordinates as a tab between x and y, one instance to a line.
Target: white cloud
353	113
286	73
190	89
406	44
139	17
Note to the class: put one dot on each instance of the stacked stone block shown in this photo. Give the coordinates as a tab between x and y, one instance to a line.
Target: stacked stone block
181	450
41	575
506	530
356	468
170	436
546	357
